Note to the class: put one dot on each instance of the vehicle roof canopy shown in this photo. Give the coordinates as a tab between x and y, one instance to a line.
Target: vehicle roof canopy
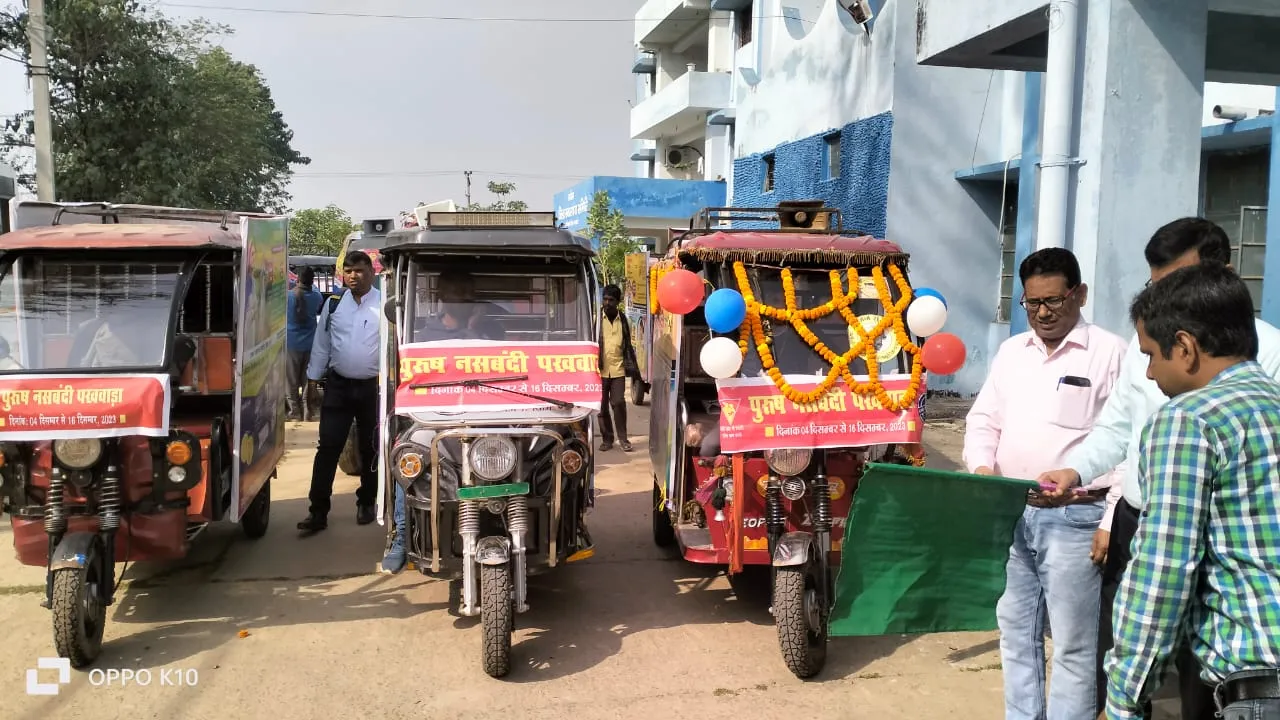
93	226
780	246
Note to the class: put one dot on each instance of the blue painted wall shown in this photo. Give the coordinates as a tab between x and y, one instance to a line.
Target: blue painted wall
640	198
861	191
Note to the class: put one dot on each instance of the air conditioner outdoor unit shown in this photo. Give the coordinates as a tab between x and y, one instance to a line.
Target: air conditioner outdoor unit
679	155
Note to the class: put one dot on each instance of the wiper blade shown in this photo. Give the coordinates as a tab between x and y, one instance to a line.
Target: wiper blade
487	383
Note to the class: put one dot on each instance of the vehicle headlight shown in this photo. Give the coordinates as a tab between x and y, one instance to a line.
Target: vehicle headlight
788	462
410	465
571	461
177	474
492	458
78	453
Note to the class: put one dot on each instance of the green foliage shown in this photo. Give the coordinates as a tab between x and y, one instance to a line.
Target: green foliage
148	110
605	224
502	204
319	231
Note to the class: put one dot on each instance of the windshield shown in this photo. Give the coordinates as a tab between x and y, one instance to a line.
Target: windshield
813	288
65	315
500	301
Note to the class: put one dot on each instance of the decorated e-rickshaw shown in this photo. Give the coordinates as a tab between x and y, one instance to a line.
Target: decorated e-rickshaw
782	364
489	435
141	391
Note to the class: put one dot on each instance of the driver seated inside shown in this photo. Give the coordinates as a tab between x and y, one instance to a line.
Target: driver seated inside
461	317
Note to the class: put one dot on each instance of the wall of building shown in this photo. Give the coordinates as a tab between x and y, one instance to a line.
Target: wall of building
943	119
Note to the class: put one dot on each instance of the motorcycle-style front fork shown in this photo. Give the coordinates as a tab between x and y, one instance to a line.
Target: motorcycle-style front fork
517	513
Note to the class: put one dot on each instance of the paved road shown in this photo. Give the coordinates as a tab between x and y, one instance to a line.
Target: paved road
290	628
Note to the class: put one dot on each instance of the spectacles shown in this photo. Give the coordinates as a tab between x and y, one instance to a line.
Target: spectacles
1053	303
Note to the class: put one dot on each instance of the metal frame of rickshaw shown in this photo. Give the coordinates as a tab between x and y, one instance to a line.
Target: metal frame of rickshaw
796	549
188	235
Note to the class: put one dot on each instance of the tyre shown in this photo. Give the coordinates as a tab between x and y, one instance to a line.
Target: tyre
664	536
802	624
349	460
497	618
258	514
79	613
638	390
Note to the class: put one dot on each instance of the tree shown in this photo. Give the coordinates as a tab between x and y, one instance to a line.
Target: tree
147	110
319	231
502	204
606	226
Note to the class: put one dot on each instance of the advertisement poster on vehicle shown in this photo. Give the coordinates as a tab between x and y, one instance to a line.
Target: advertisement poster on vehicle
754	415
63	407
487	376
260	392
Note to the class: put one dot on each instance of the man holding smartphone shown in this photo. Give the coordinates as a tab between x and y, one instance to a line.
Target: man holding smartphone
1040	399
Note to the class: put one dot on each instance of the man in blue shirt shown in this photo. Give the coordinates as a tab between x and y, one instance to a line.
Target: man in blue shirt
303	307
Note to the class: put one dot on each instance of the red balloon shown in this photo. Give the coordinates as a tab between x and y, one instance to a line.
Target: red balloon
680	291
942	354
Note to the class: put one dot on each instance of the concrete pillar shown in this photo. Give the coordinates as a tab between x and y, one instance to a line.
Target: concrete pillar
1271	264
720	42
717	160
1142	90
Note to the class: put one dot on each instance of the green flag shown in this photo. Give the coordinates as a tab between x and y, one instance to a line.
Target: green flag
925	551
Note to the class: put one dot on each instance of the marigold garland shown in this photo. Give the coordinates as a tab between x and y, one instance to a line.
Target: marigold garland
752	332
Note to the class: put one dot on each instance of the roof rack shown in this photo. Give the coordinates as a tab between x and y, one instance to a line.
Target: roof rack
791	216
154	212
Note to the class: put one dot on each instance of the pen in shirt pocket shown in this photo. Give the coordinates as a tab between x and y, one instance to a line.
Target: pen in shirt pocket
1074	381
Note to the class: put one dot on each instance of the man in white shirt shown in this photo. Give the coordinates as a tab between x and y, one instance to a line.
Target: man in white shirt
345	355
1114	441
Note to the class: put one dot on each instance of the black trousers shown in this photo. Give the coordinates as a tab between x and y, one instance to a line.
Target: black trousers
346	401
1197	697
613	409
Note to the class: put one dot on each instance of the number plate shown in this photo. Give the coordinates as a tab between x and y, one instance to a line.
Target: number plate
484	492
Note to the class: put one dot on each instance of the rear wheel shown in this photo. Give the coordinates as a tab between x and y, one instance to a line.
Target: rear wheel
258	514
664	536
79	612
801	621
497	618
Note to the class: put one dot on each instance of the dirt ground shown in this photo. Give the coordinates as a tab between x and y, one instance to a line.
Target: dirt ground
285	627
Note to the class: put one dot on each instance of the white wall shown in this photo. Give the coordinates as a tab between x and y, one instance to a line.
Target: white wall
1250	96
829	77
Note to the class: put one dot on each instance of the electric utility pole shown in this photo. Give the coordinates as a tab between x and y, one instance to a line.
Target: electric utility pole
37	36
468	174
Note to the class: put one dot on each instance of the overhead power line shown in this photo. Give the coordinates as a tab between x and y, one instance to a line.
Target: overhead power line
356	174
448	18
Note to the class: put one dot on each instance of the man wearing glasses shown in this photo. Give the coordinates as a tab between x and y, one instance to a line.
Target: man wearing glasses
1040	399
1114	443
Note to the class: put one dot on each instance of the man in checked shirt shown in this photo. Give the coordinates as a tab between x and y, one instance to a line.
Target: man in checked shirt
1206	557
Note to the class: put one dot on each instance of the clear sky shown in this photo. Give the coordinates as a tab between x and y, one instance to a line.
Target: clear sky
392	110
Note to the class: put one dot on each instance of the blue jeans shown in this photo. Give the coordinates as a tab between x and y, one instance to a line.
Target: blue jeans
394	560
1050	574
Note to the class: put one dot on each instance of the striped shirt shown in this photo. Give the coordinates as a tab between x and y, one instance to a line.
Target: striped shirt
1206	557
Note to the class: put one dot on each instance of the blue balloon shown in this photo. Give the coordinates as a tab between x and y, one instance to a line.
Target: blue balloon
924	291
725	310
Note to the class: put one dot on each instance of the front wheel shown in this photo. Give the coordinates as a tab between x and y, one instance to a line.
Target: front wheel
79	612
497	618
258	514
801	621
638	390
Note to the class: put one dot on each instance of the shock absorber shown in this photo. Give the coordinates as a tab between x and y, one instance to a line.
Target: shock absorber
821	501
518	524
55	515
108	522
469	529
775	516
109	500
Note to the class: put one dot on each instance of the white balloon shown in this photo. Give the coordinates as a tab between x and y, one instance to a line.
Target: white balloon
721	358
926	315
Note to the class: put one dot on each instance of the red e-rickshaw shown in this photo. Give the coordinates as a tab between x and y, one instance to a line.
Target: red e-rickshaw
141	390
761	468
